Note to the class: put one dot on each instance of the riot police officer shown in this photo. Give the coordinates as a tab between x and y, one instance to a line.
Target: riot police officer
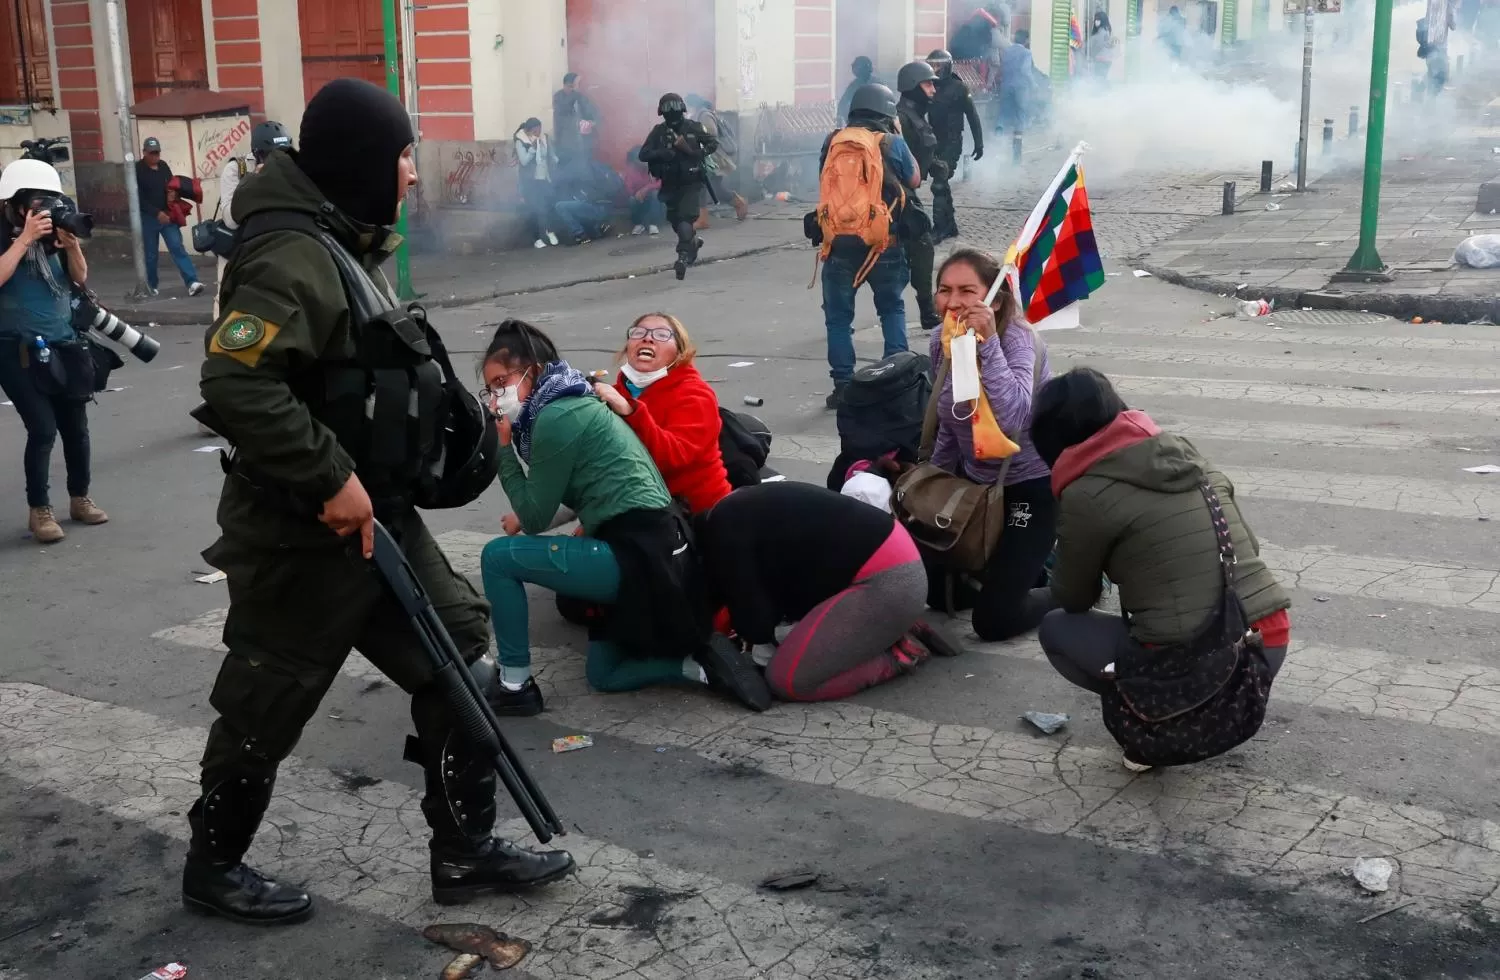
334	403
951	106
916	82
675	153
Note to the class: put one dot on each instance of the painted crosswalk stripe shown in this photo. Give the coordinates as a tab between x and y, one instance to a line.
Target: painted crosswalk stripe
1401	495
1467	406
1271	333
367	849
1302	835
1447	694
1393	366
1323	571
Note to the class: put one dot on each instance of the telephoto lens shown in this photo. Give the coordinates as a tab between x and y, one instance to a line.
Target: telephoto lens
89	315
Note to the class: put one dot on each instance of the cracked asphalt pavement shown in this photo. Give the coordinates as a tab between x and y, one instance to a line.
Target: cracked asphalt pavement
947	839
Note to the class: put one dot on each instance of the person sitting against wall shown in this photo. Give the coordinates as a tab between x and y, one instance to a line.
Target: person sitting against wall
647	213
1130	507
1012	364
588	192
848	576
630	553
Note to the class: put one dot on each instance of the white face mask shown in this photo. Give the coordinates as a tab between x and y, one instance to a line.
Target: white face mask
507	402
641	379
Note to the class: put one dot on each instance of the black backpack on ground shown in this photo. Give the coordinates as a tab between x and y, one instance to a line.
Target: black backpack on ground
745	444
881	411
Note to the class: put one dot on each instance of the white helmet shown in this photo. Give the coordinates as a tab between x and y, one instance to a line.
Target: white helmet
28	175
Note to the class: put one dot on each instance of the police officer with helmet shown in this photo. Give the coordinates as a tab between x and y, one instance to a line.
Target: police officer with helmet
952	105
676	152
916	82
342	409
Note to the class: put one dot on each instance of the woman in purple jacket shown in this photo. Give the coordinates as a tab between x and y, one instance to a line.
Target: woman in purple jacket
1012	365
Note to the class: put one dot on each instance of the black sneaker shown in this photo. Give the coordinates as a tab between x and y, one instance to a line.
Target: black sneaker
836	395
934	639
680	267
581	239
931	320
516	704
731	671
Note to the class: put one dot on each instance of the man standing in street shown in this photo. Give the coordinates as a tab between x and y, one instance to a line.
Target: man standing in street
950	107
676	152
917	83
573	120
310	356
852	195
151	176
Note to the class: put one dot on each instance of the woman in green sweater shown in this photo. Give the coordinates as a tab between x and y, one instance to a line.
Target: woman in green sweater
631	548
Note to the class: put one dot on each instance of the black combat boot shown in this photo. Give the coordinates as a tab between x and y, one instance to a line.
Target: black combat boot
215	880
460	808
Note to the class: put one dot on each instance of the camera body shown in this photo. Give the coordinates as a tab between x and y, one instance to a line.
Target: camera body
64	214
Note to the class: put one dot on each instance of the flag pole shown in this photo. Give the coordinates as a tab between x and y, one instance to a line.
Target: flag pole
1033	223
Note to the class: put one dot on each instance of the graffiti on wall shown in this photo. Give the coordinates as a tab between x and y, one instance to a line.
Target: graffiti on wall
748	23
479	176
216	140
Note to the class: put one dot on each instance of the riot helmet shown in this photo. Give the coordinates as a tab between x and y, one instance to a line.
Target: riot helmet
941	62
470	452
911	76
874	100
269	135
672	108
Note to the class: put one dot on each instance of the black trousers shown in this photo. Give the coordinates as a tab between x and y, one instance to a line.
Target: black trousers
682	204
46	417
1081	645
920	255
944	218
1005	603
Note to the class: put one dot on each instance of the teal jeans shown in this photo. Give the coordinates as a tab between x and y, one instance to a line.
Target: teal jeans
584	568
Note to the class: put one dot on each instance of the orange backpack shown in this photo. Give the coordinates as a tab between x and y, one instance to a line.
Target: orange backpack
851	201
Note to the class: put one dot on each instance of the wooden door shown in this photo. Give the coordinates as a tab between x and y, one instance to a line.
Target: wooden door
628	53
25	74
341	40
167	49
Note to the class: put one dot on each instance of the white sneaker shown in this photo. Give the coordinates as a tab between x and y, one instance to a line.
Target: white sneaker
1134	766
638	230
653	230
551	238
538	244
195	289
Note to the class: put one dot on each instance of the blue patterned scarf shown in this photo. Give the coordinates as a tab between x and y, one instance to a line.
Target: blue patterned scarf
558	380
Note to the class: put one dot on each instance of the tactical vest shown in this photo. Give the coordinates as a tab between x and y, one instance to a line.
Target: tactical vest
386	404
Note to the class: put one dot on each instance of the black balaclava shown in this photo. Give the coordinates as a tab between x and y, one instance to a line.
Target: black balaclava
672	108
353	134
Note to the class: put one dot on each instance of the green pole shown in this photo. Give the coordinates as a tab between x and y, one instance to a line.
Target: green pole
393	83
1061	62
1365	263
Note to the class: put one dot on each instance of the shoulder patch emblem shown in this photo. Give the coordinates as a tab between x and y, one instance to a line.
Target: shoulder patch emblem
241	332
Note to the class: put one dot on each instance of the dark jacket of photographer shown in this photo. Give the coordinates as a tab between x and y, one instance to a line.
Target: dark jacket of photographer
286	291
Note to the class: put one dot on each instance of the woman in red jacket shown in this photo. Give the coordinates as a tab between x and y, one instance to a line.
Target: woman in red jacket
666	402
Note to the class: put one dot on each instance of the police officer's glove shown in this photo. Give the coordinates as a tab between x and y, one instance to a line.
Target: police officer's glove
978	151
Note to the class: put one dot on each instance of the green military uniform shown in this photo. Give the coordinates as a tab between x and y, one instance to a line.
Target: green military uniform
300	597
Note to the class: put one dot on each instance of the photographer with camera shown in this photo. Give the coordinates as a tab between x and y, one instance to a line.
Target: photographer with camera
42	357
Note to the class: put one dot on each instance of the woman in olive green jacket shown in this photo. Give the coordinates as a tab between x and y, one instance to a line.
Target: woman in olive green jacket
1130	508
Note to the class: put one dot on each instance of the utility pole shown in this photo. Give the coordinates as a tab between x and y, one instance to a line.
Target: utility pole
1307	58
127	146
393	84
1365	265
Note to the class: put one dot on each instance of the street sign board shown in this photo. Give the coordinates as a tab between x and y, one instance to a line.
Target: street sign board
1318	6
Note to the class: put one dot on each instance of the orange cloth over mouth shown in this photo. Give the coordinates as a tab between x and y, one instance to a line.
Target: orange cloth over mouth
990	442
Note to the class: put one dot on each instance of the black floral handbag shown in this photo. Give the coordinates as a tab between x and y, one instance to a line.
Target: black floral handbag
1176	705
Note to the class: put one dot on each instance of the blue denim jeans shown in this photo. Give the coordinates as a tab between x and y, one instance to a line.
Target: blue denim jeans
887	281
648	212
580	218
151	231
584	568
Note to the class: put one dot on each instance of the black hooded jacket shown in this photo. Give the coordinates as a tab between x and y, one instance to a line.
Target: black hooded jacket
950	107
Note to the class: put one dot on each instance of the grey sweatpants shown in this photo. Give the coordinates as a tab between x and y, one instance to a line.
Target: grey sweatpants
842	646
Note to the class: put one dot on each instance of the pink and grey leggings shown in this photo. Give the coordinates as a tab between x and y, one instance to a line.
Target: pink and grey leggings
843	645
